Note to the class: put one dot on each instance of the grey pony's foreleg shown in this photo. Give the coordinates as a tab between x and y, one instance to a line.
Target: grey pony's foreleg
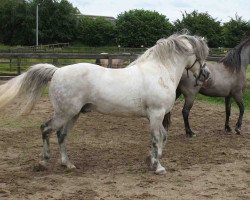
239	100
61	135
228	113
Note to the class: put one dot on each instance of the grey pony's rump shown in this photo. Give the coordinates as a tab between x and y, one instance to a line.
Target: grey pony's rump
28	86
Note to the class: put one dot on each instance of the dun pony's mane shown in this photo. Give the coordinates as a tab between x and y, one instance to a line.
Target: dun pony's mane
164	49
232	60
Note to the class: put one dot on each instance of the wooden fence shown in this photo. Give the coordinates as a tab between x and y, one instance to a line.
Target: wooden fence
9	58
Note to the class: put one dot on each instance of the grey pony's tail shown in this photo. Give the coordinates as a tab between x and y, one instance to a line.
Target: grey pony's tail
28	86
167	121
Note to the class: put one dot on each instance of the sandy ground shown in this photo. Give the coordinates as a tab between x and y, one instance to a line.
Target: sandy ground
109	153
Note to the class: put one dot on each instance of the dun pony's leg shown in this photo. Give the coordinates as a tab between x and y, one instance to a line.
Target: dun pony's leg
185	113
228	113
239	100
61	135
158	138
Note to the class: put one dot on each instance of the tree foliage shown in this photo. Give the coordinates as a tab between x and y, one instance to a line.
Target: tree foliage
59	21
201	24
96	31
141	27
15	22
235	31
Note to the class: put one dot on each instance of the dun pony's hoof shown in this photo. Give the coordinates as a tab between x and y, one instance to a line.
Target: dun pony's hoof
238	131
160	171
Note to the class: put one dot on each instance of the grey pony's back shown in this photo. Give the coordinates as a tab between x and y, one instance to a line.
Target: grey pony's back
28	86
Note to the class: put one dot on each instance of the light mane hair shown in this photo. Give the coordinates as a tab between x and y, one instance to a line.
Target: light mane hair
176	44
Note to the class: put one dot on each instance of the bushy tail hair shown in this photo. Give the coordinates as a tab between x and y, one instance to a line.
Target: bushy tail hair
29	86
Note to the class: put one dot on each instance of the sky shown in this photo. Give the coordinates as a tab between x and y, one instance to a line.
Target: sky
222	10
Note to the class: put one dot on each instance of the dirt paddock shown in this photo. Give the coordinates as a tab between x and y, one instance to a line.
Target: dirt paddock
109	153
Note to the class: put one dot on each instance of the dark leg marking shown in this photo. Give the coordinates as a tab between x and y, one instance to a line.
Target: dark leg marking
228	113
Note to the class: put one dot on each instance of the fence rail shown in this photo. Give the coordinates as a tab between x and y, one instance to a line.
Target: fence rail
16	59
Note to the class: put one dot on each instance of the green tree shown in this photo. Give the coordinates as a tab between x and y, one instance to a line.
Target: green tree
201	24
96	31
234	31
57	20
16	22
141	27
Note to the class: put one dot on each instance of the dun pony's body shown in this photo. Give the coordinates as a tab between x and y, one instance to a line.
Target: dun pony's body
228	79
145	89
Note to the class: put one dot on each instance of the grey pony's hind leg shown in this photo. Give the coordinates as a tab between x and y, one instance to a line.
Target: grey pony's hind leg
228	113
61	135
239	100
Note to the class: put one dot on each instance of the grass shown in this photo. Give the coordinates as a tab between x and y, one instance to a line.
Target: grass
17	122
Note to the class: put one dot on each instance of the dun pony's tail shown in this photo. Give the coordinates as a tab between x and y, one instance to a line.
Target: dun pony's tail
28	86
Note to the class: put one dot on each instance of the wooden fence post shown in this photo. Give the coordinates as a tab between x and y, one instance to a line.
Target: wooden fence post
110	62
18	66
55	61
10	64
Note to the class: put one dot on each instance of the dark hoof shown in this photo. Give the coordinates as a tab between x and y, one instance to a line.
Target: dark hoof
238	131
228	129
190	134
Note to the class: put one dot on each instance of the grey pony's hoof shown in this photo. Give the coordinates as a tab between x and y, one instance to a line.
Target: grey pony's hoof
238	131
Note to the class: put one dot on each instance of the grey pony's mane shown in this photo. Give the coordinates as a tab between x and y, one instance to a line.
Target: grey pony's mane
164	49
232	60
